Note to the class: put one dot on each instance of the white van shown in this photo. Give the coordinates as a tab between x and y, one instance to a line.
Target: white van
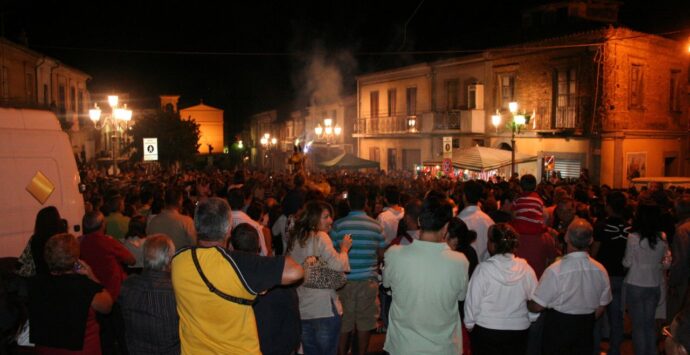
34	154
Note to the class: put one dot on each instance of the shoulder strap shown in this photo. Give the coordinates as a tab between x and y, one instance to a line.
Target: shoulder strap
213	289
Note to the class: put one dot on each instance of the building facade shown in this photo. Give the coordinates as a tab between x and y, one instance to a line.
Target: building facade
210	120
611	101
29	79
299	127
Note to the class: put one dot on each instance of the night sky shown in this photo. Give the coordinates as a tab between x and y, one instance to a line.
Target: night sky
247	57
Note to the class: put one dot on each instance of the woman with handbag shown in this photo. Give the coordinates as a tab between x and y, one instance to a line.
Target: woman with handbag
310	245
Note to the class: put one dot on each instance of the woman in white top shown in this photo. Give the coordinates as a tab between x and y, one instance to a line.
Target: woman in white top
496	303
318	310
646	255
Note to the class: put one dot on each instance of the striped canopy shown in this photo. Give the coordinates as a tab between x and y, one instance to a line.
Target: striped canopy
483	158
348	161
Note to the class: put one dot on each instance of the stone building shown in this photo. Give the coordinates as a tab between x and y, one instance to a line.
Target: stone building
29	79
612	101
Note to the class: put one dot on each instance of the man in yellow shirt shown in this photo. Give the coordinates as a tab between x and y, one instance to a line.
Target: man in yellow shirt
215	288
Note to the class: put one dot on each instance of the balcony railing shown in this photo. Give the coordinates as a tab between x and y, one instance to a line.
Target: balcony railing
568	116
446	120
386	125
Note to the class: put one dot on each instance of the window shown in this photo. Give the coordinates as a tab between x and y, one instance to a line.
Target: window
506	89
452	94
374	104
411	157
392	159
30	97
73	99
5	83
46	98
636	86
392	102
411	101
61	99
565	94
80	102
374	154
674	91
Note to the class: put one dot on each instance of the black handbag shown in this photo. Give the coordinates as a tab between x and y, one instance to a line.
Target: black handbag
318	275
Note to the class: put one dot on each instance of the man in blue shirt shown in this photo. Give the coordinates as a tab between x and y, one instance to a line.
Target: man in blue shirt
358	296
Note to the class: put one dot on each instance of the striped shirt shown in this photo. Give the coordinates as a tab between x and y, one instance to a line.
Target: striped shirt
367	237
528	214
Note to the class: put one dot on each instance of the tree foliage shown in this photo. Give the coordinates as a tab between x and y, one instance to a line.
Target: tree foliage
178	140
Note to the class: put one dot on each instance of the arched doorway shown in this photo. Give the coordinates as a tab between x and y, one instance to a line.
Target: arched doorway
505	146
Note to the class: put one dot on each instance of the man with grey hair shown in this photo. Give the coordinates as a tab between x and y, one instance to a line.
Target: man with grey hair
215	288
679	273
148	302
573	292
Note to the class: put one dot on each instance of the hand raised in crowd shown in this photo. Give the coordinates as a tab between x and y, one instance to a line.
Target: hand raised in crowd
82	268
346	244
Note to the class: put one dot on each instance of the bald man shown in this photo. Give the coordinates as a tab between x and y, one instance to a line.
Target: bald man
572	292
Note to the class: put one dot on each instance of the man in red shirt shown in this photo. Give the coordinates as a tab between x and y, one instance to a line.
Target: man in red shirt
535	244
105	255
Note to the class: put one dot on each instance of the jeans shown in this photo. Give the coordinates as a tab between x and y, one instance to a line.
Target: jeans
642	302
614	315
320	335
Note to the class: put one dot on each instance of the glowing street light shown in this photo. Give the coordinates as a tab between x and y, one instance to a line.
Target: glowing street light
328	131
113	120
268	144
496	120
412	124
518	121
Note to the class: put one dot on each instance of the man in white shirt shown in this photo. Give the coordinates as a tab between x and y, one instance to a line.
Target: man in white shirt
236	201
574	291
475	218
392	214
427	280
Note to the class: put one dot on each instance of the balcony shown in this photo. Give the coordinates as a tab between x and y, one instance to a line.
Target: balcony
572	116
387	125
466	121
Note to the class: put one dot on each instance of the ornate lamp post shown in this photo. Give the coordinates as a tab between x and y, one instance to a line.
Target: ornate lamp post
115	121
268	143
328	132
516	123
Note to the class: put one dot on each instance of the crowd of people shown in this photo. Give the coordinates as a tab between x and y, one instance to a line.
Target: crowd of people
216	262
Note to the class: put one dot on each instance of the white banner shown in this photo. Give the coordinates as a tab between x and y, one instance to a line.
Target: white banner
447	147
150	149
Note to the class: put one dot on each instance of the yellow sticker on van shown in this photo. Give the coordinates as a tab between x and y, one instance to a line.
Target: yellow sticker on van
40	187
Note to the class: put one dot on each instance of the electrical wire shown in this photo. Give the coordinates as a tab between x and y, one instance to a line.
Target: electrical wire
365	53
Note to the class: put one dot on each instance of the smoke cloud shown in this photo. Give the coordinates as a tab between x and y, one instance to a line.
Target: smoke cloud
326	76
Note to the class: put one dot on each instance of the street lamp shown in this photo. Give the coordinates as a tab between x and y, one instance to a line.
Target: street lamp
328	131
268	142
515	125
412	124
115	121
